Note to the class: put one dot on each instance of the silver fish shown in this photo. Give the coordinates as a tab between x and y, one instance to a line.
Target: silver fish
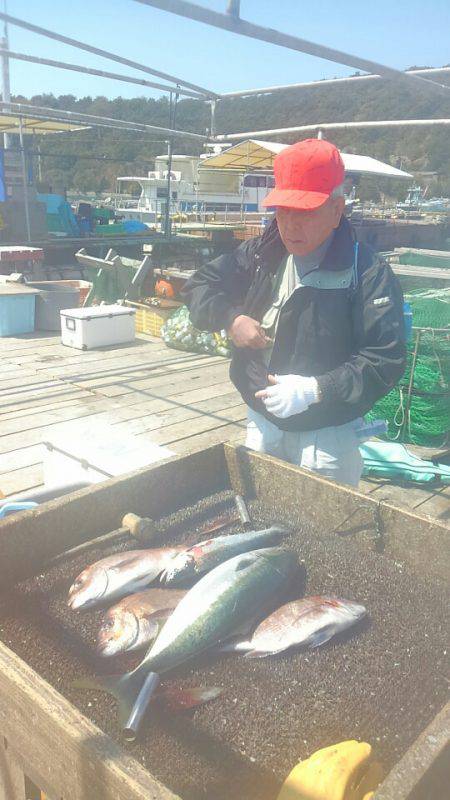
224	602
309	622
118	575
206	555
136	620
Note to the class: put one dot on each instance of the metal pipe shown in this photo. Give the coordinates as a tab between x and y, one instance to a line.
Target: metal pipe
324	83
42	112
48	62
213	117
21	23
6	87
244	28
24	181
387	123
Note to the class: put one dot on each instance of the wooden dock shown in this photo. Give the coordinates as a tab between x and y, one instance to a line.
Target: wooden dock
180	400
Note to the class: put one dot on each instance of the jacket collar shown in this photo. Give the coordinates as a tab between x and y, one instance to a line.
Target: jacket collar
271	251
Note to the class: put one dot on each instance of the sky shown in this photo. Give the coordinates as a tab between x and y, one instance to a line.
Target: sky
398	33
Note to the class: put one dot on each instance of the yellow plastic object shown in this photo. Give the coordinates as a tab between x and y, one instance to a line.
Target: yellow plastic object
150	319
343	771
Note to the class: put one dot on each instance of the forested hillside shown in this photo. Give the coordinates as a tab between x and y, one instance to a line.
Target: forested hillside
90	160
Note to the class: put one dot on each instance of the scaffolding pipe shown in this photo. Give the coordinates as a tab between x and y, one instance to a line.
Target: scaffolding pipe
253	31
20	23
6	87
24	181
326	82
48	62
387	123
41	112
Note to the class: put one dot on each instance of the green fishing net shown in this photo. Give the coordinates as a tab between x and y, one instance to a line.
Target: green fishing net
178	332
422	415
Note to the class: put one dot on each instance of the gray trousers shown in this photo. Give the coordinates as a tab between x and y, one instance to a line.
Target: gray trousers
332	452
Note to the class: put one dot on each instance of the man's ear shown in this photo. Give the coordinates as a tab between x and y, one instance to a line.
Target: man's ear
338	210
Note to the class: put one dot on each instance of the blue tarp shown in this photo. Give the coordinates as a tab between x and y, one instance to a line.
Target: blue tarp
56	205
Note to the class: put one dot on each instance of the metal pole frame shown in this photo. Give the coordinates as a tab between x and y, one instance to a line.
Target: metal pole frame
20	23
48	62
235	24
24	181
326	82
89	120
320	126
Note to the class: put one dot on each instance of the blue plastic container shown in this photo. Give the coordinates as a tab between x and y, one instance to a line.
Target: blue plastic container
408	321
17	314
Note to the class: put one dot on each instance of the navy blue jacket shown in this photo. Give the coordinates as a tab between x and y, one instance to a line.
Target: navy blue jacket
351	339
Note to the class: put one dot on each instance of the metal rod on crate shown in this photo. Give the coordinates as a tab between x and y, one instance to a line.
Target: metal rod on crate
244	516
133	723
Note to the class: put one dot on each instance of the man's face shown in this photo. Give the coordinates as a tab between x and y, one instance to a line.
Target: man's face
304	231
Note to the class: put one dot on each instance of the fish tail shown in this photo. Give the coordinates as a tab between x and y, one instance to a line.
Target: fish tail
133	692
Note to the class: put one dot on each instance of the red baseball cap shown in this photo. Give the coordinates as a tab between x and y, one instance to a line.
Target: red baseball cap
305	175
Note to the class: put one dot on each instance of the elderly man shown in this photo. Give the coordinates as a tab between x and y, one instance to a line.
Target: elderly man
315	318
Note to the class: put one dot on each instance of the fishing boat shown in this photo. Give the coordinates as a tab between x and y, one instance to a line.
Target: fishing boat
231	179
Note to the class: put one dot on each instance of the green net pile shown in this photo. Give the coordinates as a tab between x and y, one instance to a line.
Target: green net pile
424	416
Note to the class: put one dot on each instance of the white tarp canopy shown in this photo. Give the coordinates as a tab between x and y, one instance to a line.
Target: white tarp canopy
255	154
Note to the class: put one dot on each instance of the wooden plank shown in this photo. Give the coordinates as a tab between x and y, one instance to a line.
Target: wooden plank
72	757
12	344
20	480
59	355
12	779
46	404
228	433
423	772
16	459
159	387
94	405
27	385
22	398
211	408
15	441
140	409
59	394
437	505
93	379
183	430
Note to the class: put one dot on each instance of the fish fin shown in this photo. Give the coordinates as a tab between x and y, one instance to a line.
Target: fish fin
320	637
125	688
159	617
261	653
238	646
178	698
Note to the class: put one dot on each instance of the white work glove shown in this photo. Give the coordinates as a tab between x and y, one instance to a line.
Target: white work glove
289	394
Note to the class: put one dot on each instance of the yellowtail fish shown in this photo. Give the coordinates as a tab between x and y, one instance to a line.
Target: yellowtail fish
207	554
223	603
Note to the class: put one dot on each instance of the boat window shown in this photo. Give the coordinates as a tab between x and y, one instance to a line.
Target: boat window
270	182
255	181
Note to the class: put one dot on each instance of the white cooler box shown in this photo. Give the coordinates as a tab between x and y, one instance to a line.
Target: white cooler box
97	326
